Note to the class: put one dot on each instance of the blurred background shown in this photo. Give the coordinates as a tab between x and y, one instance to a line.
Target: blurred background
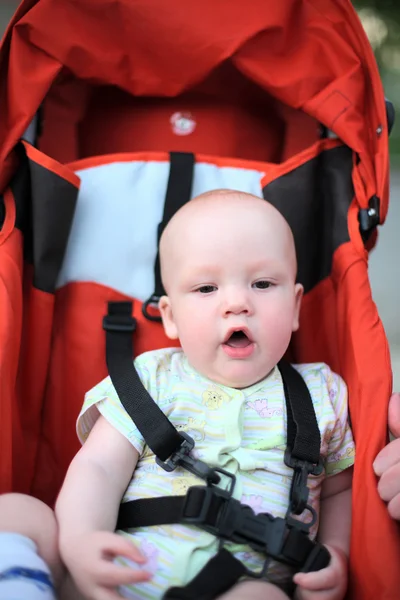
381	21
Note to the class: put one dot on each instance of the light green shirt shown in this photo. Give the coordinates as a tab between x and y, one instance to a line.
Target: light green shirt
242	431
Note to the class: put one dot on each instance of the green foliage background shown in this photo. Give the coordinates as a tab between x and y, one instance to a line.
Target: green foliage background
381	19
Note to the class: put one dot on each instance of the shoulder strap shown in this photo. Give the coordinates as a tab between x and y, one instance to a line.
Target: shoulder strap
179	191
172	448
159	433
303	435
285	539
303	444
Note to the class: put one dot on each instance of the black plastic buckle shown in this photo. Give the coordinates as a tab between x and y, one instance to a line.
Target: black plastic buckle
299	491
119	323
210	494
369	218
215	511
303	526
225	517
182	458
232	521
153	300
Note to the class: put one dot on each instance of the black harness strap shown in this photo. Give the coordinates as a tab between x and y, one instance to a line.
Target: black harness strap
209	507
218	575
215	511
148	512
303	436
159	433
171	448
179	191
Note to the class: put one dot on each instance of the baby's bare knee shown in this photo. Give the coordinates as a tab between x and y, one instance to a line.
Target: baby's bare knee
32	518
28	516
256	590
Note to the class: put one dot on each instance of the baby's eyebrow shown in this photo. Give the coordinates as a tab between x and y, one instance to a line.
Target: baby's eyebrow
203	270
204	273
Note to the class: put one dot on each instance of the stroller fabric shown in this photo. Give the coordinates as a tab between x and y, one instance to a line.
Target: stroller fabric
282	100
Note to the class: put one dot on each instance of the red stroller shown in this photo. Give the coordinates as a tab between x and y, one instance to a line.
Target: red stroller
101	105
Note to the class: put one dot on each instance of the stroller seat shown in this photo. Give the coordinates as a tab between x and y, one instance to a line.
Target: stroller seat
134	111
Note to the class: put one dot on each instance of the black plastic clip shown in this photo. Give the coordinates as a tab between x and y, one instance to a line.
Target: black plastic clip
369	217
284	539
182	458
119	318
299	491
214	510
197	506
153	300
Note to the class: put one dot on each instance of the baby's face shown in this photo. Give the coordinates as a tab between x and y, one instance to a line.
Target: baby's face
232	298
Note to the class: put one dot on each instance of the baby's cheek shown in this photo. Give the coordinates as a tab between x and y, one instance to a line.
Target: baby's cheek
279	333
195	332
195	344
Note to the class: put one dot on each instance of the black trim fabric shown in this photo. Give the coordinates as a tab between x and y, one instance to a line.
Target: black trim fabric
179	192
45	206
314	198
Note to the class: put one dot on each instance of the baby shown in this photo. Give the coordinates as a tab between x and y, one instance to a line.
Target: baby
228	266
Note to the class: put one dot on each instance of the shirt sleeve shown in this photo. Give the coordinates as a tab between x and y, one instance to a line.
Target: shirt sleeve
341	449
103	400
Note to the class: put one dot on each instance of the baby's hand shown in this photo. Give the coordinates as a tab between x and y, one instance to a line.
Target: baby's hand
89	560
327	584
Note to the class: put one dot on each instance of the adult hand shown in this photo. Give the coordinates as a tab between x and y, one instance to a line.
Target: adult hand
387	463
327	584
89	560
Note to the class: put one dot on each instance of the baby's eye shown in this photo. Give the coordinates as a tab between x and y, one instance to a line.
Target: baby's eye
262	285
206	289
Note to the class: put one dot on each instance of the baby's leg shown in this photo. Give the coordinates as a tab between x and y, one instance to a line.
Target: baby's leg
256	590
29	559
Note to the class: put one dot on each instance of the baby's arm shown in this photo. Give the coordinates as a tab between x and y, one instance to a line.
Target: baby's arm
87	510
334	532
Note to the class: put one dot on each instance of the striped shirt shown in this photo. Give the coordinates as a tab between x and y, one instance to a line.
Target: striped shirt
240	430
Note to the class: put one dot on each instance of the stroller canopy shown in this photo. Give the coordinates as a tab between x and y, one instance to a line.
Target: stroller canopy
104	106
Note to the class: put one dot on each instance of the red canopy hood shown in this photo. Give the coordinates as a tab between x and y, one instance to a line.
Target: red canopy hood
312	55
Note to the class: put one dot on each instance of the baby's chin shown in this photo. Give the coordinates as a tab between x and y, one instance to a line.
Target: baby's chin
238	378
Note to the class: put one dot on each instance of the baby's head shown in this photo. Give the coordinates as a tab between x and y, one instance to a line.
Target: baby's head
228	265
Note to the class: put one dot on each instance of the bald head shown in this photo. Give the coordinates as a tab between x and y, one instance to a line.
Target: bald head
220	219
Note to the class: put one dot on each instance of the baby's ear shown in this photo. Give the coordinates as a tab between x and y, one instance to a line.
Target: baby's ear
164	306
298	291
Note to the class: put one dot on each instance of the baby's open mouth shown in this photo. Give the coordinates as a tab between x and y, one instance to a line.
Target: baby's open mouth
238	339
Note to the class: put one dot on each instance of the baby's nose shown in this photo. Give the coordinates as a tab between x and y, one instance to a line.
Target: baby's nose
237	303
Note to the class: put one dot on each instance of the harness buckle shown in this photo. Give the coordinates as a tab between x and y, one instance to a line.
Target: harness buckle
119	323
299	491
182	458
214	510
197	505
